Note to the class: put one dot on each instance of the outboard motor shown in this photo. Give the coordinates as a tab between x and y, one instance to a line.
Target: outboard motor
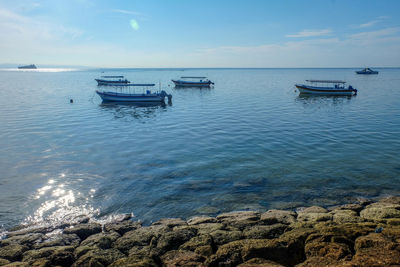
163	94
353	89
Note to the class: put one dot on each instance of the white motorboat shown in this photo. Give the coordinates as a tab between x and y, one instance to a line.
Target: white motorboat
326	87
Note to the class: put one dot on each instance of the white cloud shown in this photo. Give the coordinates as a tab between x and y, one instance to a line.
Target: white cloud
310	33
375	48
368	24
371	23
127	12
375	35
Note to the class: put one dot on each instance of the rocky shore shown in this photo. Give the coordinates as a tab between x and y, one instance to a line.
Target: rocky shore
360	234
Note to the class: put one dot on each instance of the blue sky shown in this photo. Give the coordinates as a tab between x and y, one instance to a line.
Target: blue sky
188	33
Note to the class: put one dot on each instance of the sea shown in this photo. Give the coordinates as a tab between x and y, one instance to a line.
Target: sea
250	142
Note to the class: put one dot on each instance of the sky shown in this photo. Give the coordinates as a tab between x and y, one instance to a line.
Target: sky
206	33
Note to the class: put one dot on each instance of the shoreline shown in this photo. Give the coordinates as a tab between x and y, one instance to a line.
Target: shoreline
366	233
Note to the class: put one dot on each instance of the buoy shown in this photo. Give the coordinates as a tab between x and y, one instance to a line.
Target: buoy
71	101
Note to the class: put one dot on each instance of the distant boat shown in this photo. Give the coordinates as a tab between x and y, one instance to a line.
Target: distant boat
326	87
367	71
127	96
193	81
112	80
32	66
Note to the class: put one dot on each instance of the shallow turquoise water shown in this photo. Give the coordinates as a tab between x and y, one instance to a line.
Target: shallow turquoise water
251	142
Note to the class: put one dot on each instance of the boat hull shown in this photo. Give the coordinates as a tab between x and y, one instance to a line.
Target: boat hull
192	84
305	89
28	67
367	72
126	98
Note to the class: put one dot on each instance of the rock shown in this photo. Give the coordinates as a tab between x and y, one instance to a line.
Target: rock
314	214
12	252
101	240
391	200
62	257
17	264
354	207
4	262
313	209
143	251
376	250
133	261
278	216
195	242
41	263
240	251
59	255
99	256
23	230
264	231
122	227
345	216
206	228
323	262
84	230
221	237
201	244
27	240
377	213
395	221
172	240
315	217
82	250
335	251
171	222
383	205
239	219
139	237
59	240
259	262
201	219
182	258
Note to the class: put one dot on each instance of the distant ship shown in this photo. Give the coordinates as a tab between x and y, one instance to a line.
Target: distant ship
32	66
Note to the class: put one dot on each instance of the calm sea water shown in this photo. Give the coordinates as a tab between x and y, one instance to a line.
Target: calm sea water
251	142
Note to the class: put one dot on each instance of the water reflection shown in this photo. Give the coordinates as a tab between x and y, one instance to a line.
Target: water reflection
137	110
60	204
309	99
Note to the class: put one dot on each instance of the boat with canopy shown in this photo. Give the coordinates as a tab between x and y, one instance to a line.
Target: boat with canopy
112	80
193	81
128	93
326	87
367	71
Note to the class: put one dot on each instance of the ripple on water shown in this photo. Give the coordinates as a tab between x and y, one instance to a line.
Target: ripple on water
250	142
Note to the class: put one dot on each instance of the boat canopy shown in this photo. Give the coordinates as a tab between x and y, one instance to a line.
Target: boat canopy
192	77
325	81
112	76
134	84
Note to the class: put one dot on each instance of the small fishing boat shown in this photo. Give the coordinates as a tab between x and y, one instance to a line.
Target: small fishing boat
29	67
193	81
367	71
112	80
126	93
326	87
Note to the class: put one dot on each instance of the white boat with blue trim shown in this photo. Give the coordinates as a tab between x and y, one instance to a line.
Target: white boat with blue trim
193	81
127	93
112	80
326	87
